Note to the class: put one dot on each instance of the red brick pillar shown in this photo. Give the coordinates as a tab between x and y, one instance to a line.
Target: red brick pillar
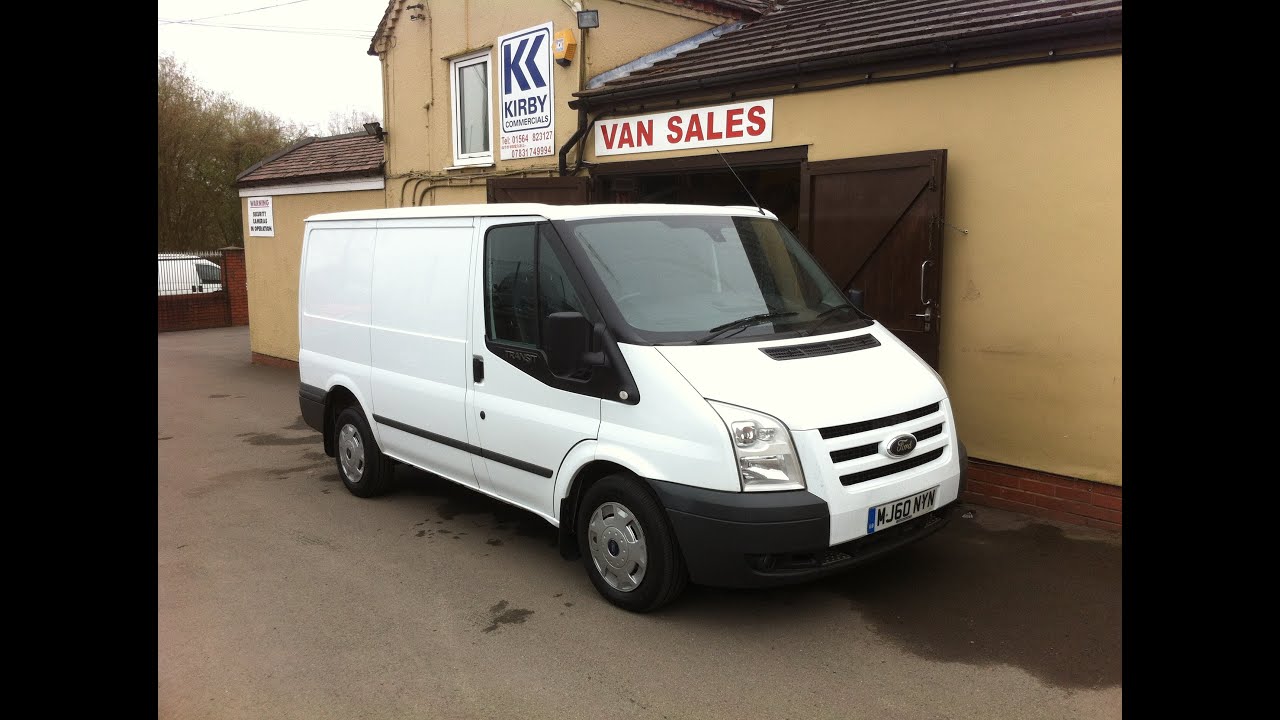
235	281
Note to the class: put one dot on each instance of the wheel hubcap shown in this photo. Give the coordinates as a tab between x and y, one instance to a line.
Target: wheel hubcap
617	546
351	453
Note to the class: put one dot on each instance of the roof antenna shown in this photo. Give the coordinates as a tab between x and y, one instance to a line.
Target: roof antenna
744	185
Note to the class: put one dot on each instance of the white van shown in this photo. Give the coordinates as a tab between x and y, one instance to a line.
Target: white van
680	389
185	274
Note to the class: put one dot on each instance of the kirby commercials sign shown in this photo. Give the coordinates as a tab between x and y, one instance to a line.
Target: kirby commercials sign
733	124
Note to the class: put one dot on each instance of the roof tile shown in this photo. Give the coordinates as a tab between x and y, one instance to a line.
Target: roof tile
805	31
353	154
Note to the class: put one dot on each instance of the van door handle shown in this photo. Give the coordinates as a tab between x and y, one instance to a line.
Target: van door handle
477	368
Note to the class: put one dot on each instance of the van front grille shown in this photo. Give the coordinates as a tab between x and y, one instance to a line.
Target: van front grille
839	456
891	468
854	448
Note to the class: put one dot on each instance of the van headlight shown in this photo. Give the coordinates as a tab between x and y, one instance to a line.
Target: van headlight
762	445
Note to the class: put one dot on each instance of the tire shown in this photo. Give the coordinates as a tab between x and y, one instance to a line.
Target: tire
363	468
622	529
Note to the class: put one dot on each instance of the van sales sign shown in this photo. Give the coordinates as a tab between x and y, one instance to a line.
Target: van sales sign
526	98
261	220
733	124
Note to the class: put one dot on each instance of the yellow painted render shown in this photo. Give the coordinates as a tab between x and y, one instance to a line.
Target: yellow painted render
416	92
1031	305
272	265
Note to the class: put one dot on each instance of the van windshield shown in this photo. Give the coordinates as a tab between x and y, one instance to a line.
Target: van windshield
700	278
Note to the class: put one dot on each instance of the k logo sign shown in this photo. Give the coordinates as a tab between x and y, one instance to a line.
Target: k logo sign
527	100
523	60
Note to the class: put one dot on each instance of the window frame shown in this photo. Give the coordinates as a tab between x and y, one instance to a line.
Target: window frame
489	331
459	158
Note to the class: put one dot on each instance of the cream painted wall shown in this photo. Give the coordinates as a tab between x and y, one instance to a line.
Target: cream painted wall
415	71
1031	329
272	265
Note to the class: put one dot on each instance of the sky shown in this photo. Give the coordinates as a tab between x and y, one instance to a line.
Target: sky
301	60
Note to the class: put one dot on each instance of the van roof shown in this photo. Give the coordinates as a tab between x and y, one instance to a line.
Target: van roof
550	212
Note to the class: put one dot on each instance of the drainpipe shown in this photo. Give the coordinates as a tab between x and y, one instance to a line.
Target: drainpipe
564	149
582	112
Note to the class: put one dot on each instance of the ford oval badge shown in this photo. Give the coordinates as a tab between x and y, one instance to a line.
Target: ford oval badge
901	445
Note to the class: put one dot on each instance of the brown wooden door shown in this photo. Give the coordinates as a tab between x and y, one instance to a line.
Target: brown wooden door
549	190
874	224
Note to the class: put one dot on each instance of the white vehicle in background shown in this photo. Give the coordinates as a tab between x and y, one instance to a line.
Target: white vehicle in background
181	274
680	389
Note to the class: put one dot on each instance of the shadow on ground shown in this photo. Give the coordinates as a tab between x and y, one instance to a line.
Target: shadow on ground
1028	596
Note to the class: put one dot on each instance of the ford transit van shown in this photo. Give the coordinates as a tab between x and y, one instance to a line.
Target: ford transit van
680	389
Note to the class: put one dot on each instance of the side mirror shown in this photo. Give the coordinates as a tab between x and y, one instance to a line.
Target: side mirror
567	341
855	297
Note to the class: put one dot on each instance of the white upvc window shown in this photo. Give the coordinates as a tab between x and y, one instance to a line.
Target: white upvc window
469	87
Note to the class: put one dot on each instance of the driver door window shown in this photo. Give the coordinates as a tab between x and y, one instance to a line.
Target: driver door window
524	283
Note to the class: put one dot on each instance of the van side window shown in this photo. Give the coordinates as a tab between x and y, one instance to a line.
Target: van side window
209	273
524	283
555	293
511	284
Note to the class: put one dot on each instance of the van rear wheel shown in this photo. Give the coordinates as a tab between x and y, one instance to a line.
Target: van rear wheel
628	547
364	470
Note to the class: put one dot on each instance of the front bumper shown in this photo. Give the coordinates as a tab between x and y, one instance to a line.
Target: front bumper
767	539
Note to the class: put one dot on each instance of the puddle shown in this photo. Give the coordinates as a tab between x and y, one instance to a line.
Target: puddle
257	438
502	615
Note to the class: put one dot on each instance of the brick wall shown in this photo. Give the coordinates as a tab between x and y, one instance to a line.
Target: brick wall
1057	497
195	311
192	311
236	281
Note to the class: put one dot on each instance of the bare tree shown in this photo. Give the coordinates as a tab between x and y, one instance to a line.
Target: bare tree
350	120
204	140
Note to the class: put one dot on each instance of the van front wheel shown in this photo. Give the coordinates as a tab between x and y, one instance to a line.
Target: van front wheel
363	469
628	547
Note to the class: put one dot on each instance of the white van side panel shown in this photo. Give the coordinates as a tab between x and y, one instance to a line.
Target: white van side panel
420	360
337	271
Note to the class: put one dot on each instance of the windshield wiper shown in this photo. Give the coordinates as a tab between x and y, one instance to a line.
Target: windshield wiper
741	324
823	316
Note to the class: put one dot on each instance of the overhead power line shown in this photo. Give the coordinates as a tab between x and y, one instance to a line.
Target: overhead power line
238	12
336	32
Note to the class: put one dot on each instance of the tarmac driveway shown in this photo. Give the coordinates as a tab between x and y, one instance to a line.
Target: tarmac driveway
280	595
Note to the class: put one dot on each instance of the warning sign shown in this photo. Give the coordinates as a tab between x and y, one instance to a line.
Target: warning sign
261	222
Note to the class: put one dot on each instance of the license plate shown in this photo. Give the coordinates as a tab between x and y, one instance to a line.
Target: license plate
898	511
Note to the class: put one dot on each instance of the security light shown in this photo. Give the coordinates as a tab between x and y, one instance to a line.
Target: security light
588	19
374	129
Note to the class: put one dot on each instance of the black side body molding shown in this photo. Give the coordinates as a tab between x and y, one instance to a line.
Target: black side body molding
466	447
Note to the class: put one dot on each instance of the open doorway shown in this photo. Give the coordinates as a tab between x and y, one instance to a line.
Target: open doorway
773	177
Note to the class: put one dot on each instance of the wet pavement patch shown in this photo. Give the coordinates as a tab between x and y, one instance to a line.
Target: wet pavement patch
494	542
167	437
456	501
502	615
1029	597
219	396
298	424
257	438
